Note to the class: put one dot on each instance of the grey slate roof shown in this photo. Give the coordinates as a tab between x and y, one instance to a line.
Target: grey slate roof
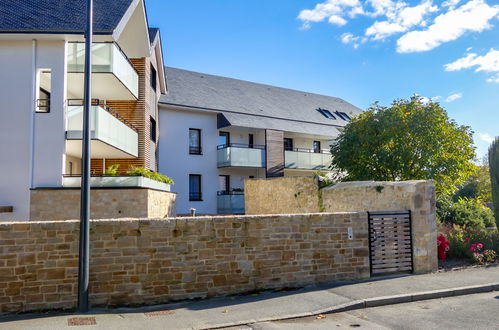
153	32
62	16
248	104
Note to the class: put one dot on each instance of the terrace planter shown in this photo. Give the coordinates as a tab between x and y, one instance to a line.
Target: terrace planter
118	182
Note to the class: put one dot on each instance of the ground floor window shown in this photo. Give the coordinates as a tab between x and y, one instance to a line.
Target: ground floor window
195	187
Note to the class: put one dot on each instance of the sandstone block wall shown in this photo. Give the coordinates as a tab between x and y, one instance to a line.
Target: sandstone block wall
301	195
417	196
136	262
64	204
281	195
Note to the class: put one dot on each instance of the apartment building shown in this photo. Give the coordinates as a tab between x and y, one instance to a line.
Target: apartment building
216	132
42	59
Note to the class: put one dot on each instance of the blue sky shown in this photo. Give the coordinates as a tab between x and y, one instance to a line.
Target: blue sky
360	50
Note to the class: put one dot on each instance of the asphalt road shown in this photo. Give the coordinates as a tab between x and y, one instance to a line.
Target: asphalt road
477	311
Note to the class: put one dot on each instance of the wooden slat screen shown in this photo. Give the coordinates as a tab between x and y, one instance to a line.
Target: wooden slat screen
275	153
390	242
137	113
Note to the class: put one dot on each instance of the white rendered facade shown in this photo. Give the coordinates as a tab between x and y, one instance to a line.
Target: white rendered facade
38	146
176	160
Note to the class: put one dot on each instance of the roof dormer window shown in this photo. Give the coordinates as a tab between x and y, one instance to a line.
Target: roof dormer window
343	115
326	113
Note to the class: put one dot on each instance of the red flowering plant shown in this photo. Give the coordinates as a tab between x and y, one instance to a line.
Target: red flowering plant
481	256
443	246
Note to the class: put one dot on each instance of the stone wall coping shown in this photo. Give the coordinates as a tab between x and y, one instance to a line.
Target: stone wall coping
103	188
362	184
185	219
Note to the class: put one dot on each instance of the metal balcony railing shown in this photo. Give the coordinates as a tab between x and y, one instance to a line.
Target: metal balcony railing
241	155
307	159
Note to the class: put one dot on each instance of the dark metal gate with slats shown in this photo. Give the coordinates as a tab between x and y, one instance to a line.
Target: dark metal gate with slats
390	242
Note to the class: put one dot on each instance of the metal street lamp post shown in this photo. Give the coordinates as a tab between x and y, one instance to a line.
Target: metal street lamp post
84	251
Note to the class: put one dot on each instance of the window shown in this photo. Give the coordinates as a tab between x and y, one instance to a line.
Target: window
153	129
317	147
224	139
195	187
251	141
224	184
153	78
326	113
288	144
44	85
195	141
343	115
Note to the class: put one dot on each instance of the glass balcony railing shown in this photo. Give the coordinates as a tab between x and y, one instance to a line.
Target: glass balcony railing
230	202
307	159
104	126
240	155
106	58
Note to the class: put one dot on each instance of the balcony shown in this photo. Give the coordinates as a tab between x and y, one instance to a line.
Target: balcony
230	202
113	78
305	159
241	155
112	136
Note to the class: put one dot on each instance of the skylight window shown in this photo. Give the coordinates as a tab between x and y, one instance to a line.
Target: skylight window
343	115
326	113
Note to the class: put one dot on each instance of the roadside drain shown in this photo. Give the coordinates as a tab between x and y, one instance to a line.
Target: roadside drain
159	313
77	321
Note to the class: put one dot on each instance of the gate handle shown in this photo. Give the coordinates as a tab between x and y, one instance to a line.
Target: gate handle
375	237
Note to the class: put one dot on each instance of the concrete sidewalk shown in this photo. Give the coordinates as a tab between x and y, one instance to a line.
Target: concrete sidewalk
268	306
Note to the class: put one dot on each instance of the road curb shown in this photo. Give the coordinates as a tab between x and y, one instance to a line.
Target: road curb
375	302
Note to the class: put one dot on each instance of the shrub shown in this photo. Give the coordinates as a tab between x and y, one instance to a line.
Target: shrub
112	170
470	213
142	171
466	243
494	176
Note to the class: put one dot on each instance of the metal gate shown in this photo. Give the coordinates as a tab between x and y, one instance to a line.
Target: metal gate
390	242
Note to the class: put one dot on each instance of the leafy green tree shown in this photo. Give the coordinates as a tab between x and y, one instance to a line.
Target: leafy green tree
477	185
411	139
494	176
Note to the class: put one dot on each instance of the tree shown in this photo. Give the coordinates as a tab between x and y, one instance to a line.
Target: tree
477	185
494	176
411	139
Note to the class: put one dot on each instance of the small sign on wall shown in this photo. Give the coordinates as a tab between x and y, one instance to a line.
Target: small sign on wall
350	233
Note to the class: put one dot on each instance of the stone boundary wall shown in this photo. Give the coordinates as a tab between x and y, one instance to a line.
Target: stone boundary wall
105	203
301	195
136	262
417	196
281	195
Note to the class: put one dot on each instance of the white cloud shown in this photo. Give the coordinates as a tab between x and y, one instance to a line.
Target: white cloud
494	78
427	100
453	97
424	25
355	41
487	63
450	3
332	10
471	16
486	137
401	19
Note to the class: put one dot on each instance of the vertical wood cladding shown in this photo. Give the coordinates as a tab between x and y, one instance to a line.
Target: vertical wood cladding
137	113
275	153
